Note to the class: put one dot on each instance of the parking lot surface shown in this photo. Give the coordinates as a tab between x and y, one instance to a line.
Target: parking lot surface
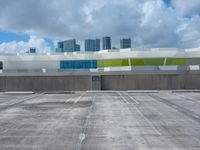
100	121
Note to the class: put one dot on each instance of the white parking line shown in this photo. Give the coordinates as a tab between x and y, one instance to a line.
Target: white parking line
79	97
19	92
19	100
69	99
133	99
123	98
149	122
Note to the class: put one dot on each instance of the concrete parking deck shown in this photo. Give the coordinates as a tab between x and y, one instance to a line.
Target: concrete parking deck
100	121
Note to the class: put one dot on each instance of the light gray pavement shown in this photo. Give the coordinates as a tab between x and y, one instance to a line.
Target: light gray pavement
100	121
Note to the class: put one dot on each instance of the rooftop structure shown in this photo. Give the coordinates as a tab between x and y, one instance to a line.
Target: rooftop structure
125	43
106	43
68	46
153	58
92	45
31	50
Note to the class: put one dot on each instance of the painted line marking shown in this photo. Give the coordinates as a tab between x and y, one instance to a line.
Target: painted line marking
135	101
149	122
19	100
79	97
83	134
82	137
123	98
177	107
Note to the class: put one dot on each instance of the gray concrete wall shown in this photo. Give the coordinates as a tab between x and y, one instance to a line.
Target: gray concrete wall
45	83
108	82
151	82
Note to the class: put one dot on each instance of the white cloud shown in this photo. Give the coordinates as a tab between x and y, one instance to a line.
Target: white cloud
21	46
150	23
189	31
186	7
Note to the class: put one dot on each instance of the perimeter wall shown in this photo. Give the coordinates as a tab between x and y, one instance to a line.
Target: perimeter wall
45	83
106	82
150	82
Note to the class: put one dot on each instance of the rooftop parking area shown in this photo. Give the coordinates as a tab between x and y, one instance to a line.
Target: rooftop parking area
100	120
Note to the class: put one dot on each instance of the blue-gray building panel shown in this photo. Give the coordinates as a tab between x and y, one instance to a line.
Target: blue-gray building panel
81	64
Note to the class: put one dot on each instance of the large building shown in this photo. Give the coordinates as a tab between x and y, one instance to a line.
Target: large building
106	43
92	45
120	69
97	45
78	47
131	59
125	43
60	47
68	46
31	50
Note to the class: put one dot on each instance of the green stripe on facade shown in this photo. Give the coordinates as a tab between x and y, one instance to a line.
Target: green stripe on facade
142	62
147	62
137	62
176	61
112	63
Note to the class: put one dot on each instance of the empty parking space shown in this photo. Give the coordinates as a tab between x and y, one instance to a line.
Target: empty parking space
100	121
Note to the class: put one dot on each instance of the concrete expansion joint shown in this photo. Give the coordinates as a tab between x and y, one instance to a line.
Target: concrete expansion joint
23	100
83	134
177	107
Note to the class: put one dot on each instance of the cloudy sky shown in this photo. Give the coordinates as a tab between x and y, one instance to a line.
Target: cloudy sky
150	23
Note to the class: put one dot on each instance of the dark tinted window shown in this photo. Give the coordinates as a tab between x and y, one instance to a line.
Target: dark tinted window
1	65
81	64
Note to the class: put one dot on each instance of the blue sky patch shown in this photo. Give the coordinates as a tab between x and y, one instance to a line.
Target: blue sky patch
6	36
167	2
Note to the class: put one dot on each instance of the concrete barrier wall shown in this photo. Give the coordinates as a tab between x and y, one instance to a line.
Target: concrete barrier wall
150	82
108	82
45	83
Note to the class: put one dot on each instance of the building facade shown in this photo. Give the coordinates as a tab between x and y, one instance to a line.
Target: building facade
92	45
97	45
125	43
78	47
106	43
31	50
163	59
68	46
60	47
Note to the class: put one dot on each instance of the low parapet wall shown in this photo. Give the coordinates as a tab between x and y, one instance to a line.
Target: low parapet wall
105	82
45	83
151	82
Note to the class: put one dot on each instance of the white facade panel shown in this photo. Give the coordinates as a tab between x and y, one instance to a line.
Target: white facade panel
194	67
119	54
128	68
52	61
168	68
7	65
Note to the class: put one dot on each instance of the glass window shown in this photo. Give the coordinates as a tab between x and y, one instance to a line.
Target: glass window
78	64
